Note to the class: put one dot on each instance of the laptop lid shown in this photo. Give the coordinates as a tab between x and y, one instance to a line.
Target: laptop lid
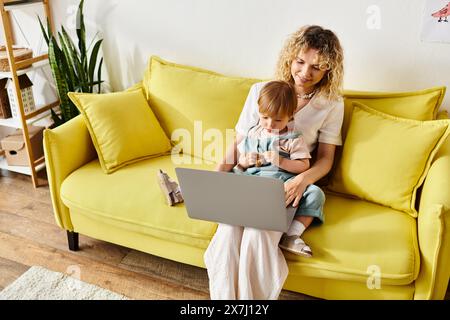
240	200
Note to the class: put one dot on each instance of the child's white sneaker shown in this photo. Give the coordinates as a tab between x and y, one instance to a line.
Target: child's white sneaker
296	245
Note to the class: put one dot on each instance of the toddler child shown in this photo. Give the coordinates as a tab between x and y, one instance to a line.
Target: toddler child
275	148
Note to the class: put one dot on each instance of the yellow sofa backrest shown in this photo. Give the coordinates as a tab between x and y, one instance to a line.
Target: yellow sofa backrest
195	106
417	105
199	105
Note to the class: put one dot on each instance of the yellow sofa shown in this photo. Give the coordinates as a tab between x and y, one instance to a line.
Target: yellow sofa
362	251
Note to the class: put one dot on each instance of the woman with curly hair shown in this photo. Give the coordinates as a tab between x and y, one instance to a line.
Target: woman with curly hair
246	263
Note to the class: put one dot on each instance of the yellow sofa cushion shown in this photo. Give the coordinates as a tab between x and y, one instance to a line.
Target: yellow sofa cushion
122	126
198	102
417	105
385	159
358	239
133	201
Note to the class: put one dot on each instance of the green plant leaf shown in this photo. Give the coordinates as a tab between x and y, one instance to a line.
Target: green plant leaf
99	76
44	32
67	66
56	119
81	33
73	109
70	45
93	62
61	84
94	83
72	68
92	41
82	76
49	28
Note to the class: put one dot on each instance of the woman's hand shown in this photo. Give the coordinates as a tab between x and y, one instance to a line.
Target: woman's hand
294	189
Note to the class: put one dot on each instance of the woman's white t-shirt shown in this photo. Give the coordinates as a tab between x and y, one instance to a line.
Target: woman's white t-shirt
319	121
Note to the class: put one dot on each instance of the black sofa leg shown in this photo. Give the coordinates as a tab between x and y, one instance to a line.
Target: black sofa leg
72	238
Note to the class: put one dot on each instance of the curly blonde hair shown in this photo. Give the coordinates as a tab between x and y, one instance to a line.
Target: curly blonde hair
331	58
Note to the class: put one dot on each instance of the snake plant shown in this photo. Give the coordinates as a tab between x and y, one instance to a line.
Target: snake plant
74	69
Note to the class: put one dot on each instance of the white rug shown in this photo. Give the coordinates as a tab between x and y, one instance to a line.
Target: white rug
41	284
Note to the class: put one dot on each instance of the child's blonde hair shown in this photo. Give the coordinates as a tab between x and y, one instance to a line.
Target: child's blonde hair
330	53
277	99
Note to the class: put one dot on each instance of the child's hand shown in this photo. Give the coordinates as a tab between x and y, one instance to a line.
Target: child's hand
243	161
273	157
247	160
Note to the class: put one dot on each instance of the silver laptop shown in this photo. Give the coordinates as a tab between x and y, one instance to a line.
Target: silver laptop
239	200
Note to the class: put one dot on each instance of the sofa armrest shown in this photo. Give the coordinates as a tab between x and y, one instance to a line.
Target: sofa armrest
66	148
433	225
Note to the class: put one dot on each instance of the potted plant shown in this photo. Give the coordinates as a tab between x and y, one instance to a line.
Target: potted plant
74	69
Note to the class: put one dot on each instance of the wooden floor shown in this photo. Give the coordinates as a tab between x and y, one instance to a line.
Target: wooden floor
29	236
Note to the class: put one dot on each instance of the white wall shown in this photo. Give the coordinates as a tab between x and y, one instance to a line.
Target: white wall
243	37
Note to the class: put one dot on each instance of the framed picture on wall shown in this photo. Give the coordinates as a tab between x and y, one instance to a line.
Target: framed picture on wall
436	21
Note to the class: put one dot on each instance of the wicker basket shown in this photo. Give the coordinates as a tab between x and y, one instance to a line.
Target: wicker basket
19	54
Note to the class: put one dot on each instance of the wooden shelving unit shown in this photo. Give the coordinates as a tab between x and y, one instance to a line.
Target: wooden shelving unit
41	111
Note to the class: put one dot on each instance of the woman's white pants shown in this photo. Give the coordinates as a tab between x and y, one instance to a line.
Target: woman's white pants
245	263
